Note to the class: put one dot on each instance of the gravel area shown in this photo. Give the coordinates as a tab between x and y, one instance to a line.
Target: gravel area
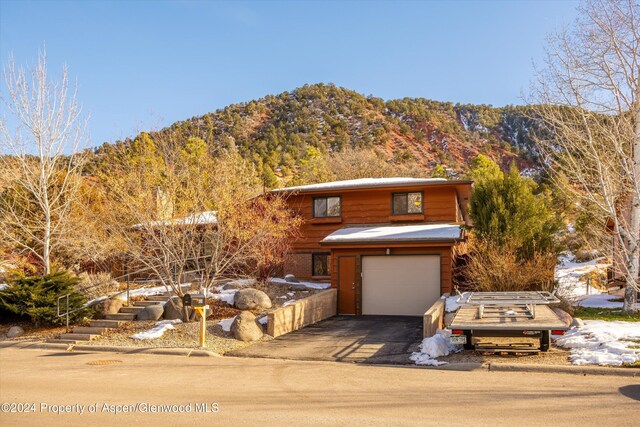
555	356
31	332
184	335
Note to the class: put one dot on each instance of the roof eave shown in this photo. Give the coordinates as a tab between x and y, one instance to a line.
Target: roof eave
390	242
373	186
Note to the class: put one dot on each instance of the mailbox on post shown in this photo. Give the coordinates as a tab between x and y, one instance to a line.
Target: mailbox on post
199	304
195	300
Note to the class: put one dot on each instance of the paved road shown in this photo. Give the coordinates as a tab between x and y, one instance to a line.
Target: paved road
275	392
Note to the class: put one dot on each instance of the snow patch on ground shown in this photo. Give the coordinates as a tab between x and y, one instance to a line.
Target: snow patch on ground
226	295
286	303
263	320
599	301
3	286
569	274
604	343
310	285
435	346
226	323
157	331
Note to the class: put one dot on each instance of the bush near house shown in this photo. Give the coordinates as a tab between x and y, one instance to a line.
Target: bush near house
36	297
514	227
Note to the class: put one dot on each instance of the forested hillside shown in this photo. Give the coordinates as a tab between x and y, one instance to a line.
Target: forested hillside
281	133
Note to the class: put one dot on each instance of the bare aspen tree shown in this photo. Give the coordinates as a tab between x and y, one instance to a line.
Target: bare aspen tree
588	97
41	139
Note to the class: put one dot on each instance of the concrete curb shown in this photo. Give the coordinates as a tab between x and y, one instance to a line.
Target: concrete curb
561	369
188	352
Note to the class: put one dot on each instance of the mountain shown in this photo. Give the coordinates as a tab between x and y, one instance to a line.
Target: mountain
278	130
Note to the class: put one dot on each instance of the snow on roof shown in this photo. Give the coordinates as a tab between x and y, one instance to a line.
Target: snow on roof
208	217
395	233
365	182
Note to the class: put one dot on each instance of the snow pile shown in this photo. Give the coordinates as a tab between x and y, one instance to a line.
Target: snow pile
289	302
309	285
435	346
157	331
226	323
451	303
263	320
570	273
3	286
599	342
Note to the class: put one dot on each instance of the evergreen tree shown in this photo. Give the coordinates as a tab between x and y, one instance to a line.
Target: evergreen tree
439	172
505	207
269	178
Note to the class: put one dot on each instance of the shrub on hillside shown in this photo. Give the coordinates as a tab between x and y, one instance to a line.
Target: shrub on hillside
36	298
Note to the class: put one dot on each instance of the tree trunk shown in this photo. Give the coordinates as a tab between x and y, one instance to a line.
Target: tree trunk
633	248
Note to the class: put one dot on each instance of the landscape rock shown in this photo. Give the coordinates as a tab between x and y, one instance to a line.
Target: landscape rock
291	278
577	322
246	328
109	306
563	315
173	309
15	331
151	312
251	299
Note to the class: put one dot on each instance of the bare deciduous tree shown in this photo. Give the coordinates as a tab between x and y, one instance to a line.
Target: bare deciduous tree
589	96
41	142
205	224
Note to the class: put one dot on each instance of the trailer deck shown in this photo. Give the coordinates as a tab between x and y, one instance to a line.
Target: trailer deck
483	317
500	318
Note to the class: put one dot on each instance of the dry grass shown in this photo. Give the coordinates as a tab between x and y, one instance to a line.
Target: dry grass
499	269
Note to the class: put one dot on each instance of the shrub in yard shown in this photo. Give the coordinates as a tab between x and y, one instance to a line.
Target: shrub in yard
36	297
493	268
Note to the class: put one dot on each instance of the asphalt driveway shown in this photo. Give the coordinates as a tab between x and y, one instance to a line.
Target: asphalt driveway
363	339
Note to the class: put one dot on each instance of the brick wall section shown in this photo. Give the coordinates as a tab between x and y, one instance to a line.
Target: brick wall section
298	264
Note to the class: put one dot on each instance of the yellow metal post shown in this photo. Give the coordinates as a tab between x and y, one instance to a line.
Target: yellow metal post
202	311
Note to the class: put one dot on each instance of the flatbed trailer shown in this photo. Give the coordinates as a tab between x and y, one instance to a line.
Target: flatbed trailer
486	319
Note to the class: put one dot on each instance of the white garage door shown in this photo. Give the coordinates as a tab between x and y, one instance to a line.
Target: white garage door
398	285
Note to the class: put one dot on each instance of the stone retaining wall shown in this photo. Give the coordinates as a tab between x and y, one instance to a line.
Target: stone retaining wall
303	312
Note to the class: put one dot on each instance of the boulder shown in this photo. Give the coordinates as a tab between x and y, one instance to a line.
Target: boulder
151	312
109	306
291	278
246	328
15	331
563	315
577	322
173	309
251	299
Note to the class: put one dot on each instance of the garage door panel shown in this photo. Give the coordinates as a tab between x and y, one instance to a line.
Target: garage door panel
400	285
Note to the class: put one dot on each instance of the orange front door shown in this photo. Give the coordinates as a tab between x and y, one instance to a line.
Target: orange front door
347	285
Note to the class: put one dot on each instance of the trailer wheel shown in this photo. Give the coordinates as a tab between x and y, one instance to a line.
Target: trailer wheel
545	341
469	344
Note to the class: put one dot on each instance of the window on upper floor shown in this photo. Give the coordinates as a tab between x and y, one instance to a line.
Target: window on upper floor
327	207
320	265
407	203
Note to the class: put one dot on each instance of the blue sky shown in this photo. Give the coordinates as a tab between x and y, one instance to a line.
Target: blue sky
145	64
